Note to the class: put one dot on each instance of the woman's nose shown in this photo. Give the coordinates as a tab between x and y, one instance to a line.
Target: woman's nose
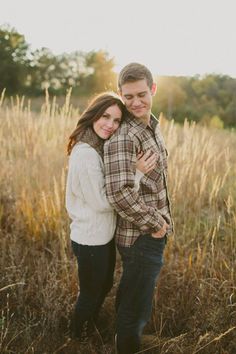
110	124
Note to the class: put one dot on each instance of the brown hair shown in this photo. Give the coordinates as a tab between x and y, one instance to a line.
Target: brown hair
134	72
92	113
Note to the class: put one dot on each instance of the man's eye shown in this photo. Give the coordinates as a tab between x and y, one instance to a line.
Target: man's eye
142	94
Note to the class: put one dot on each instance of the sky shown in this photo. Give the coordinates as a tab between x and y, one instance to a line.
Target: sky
171	37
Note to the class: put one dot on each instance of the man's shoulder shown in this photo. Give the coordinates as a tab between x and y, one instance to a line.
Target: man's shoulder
123	129
129	129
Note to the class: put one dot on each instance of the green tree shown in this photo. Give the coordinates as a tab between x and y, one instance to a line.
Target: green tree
75	72
100	72
170	98
81	71
44	73
230	112
14	60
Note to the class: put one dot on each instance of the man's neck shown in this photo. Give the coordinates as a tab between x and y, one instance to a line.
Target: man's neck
145	120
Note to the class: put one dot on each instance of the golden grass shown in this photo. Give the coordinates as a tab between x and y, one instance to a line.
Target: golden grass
195	305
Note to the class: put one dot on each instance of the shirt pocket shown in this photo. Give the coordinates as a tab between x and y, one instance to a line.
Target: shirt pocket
152	180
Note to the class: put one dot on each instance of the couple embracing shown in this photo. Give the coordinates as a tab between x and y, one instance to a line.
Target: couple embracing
117	193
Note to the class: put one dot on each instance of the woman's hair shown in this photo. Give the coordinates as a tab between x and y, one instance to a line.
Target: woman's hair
92	113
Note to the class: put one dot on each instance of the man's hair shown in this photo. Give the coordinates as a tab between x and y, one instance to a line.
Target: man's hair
134	72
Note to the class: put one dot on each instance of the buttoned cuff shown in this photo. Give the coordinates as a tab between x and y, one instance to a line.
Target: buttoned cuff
159	225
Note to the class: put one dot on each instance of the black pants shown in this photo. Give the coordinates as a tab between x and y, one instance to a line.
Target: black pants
96	266
142	263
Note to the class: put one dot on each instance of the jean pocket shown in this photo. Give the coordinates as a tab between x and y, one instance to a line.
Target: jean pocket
150	247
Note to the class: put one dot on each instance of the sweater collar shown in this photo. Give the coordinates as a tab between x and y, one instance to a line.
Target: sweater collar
91	138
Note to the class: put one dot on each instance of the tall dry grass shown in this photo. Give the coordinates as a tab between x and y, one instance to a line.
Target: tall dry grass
195	303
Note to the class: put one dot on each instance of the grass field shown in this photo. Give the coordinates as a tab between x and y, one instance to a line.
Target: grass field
195	303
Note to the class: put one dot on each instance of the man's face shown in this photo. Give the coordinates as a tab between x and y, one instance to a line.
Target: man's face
137	97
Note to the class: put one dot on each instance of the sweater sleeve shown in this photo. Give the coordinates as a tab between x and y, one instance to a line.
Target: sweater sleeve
119	161
137	179
88	179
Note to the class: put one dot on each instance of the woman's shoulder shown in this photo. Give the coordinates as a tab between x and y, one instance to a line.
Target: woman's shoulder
84	151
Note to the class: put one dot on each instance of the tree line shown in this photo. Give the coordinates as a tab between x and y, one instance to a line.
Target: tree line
31	72
210	99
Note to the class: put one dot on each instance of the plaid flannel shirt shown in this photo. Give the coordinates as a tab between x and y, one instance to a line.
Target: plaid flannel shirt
146	210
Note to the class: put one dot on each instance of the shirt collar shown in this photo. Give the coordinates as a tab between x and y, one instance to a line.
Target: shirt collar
154	121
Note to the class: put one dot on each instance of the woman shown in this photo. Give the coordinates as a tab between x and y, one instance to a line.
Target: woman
93	219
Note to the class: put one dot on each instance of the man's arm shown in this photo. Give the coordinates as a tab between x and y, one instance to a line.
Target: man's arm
119	161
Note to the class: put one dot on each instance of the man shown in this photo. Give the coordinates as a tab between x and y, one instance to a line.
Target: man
144	217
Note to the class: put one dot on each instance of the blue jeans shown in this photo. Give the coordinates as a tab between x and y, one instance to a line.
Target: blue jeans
95	270
142	263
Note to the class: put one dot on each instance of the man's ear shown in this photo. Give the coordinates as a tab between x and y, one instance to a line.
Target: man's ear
154	89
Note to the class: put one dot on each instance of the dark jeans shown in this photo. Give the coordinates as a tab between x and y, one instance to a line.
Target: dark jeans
142	263
95	269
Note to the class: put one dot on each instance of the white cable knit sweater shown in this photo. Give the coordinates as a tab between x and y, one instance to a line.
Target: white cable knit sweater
93	218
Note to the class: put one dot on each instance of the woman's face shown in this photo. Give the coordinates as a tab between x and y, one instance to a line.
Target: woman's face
108	123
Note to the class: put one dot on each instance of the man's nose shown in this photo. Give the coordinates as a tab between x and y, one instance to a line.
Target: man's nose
136	101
